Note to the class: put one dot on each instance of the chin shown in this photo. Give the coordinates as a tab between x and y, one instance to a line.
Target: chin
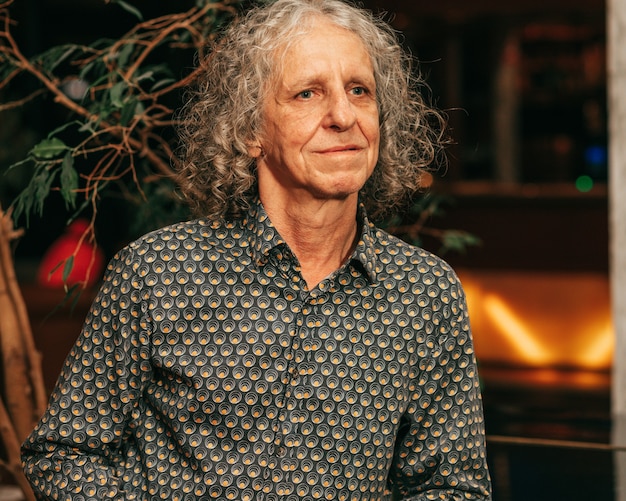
340	193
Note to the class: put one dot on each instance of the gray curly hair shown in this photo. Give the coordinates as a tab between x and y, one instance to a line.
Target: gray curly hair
224	113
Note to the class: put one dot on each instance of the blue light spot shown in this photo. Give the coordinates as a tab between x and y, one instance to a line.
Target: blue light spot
595	155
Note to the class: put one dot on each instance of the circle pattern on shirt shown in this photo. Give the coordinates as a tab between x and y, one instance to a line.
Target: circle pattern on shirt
207	370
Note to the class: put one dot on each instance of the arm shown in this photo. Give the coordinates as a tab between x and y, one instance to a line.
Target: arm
77	449
440	449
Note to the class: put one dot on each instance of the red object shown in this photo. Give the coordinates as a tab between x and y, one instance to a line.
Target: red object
88	259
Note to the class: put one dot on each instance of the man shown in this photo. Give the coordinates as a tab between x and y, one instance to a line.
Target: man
281	347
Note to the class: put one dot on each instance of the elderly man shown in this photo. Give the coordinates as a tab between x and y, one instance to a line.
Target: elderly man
280	347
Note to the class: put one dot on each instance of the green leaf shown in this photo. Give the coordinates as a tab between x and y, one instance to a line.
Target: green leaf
67	125
86	69
83	206
67	269
129	8
49	148
459	241
55	268
124	55
146	75
72	294
19	163
87	127
162	83
52	58
42	183
117	94
69	181
32	198
128	112
101	79
22	204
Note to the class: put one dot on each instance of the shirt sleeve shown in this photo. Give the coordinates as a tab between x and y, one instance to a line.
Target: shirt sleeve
77	448
440	449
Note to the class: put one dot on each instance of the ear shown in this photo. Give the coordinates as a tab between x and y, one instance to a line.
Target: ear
255	150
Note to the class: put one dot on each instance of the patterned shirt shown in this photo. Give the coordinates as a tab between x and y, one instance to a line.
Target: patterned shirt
206	369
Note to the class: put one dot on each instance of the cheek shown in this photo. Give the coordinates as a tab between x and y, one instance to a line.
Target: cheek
371	127
374	138
303	128
295	131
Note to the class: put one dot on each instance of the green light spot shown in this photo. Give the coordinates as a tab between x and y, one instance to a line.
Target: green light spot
584	184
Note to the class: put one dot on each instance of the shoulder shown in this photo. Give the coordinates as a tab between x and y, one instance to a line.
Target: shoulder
418	283
185	233
414	271
178	242
393	252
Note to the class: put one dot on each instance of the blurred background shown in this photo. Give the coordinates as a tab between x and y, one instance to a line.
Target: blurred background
524	85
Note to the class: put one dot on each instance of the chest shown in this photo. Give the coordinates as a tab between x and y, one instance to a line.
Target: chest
245	338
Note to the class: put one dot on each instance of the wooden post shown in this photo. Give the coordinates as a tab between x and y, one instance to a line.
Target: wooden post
616	64
506	110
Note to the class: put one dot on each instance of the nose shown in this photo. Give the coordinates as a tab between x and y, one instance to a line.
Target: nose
341	114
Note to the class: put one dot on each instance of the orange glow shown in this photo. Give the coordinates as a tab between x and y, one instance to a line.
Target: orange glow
520	335
599	349
540	319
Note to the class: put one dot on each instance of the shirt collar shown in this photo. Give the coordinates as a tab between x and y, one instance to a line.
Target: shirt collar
264	237
365	251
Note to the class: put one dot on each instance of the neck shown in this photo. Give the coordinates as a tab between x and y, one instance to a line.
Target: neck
322	233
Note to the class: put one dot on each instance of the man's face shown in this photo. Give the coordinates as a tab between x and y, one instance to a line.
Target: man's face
321	129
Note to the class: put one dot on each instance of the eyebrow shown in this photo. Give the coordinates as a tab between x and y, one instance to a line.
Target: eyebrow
316	80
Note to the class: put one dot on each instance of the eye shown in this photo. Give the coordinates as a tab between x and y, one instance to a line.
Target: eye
305	94
359	91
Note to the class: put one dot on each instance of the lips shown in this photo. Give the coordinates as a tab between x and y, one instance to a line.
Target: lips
341	149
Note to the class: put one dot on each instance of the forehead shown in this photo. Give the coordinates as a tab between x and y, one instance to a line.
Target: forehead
319	42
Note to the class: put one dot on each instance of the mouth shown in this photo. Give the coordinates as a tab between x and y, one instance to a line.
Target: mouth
342	149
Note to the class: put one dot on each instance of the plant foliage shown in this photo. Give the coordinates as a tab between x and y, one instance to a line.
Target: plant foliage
119	96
